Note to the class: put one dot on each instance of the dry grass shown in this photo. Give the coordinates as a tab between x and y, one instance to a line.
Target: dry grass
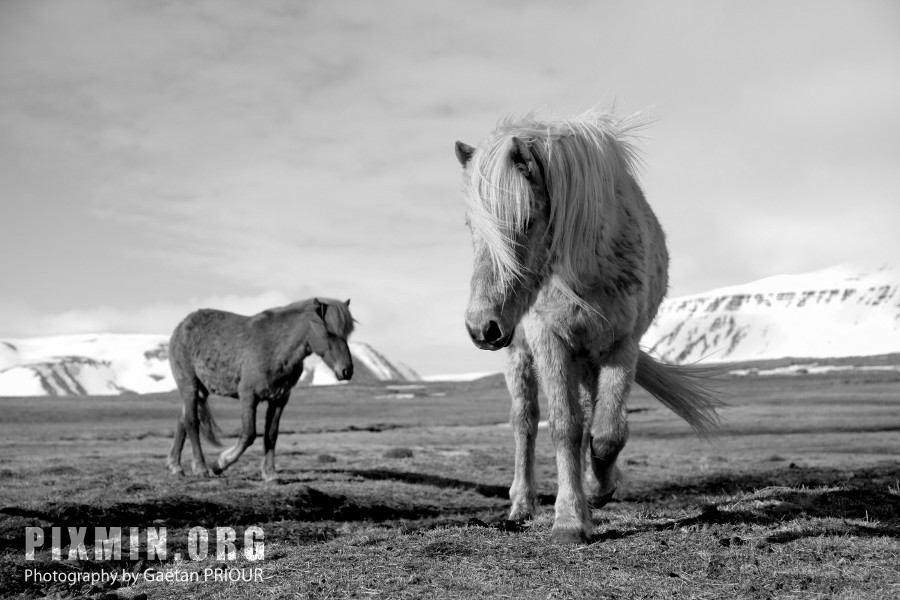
798	498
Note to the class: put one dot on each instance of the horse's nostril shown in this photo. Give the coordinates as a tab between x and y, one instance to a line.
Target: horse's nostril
348	372
492	333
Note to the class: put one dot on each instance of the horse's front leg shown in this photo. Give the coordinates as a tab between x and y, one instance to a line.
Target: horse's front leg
609	427
588	391
560	383
524	416
270	436
248	432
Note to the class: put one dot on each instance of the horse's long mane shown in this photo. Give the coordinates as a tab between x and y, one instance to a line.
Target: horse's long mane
583	161
338	320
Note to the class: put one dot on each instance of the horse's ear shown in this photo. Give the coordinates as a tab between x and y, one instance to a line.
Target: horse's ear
320	308
525	161
464	153
347	303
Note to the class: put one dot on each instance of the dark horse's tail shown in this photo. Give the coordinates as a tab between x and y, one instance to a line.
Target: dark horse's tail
685	389
208	427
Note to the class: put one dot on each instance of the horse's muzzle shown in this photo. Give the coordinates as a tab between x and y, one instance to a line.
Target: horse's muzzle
344	374
489	335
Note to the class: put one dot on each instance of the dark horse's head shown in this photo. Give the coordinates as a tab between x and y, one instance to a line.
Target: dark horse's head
508	213
329	326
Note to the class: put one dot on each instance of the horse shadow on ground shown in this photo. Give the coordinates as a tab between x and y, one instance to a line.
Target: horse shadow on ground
483	489
783	505
770	499
305	504
779	507
797	502
290	510
865	500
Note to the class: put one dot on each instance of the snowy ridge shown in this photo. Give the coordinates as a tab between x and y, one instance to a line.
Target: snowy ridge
838	312
841	311
110	364
93	364
369	366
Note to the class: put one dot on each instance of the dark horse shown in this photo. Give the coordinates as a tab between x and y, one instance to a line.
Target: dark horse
254	359
570	268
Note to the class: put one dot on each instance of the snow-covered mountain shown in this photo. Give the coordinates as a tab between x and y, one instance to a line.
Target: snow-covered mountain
109	364
369	366
836	312
76	365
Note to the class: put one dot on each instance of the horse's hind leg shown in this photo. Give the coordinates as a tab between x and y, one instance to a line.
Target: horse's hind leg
524	416
609	427
187	426
273	416
173	463
248	432
194	395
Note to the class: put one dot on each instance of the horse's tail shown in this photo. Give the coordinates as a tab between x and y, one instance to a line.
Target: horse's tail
208	427
684	389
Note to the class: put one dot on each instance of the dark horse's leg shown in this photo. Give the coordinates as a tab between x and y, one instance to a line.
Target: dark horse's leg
524	415
609	427
273	416
192	393
173	463
248	431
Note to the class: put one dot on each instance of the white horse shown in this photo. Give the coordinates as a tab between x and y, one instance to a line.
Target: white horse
570	266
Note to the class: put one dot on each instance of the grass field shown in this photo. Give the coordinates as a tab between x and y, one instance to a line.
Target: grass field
402	493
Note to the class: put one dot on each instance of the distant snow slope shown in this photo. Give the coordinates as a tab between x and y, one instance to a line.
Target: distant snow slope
369	366
837	312
109	364
841	311
100	364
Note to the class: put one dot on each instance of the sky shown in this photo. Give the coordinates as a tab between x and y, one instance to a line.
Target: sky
159	157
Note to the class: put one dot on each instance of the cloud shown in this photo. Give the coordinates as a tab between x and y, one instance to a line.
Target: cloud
18	319
164	153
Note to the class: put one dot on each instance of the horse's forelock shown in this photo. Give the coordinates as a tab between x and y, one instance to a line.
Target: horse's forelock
499	200
583	159
338	319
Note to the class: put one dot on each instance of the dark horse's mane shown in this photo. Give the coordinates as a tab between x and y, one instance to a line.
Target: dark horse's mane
338	320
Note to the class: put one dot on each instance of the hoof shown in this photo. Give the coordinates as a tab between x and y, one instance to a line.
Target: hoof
216	469
568	537
270	477
202	471
176	471
601	500
520	514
